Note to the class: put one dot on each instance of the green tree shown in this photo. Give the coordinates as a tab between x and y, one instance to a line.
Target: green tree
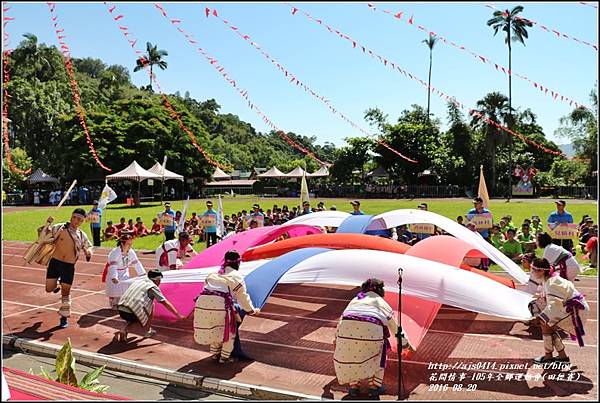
350	158
153	57
512	24
462	145
15	180
495	107
430	42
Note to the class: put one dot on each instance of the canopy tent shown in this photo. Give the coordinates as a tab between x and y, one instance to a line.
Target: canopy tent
157	169
220	175
272	173
320	173
40	176
136	173
296	173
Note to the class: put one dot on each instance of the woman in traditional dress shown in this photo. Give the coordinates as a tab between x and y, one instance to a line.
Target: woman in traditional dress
559	305
361	341
560	258
116	272
215	315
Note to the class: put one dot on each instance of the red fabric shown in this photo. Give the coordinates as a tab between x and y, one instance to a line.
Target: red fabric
591	244
105	272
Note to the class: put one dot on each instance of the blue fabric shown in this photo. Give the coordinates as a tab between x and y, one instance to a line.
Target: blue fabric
172	227
354	224
99	223
262	281
210	229
560	218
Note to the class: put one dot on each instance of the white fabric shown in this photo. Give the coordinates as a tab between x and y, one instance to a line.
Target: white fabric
327	218
174	256
296	173
272	173
120	270
553	251
158	169
134	172
219	174
409	216
107	195
422	278
5	390
321	172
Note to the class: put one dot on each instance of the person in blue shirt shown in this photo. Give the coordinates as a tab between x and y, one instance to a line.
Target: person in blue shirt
210	231
305	208
479	209
561	216
257	215
169	229
419	237
356	208
96	226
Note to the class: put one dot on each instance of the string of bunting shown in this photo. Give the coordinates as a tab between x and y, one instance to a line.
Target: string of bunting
393	65
64	48
486	60
6	78
298	82
214	62
166	103
588	4
549	30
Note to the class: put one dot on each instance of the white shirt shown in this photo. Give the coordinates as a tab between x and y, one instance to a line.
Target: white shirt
119	268
552	252
174	253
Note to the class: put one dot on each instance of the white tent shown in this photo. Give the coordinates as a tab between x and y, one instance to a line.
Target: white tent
296	173
220	175
133	172
157	169
320	173
272	173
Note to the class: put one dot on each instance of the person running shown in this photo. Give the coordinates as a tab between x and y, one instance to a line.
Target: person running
361	339
560	306
69	242
136	305
170	255
116	271
215	314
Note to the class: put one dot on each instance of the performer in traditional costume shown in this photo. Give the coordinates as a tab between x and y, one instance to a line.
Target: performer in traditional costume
116	272
68	241
170	255
136	306
361	341
215	315
560	258
560	305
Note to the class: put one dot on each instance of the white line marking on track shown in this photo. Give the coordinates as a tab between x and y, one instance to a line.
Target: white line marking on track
44	285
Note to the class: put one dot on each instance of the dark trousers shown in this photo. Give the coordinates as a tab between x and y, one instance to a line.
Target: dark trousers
169	235
237	345
96	236
211	238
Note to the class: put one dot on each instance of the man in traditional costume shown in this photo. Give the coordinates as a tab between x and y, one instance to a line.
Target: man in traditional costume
136	305
170	255
215	315
116	271
559	305
68	242
361	340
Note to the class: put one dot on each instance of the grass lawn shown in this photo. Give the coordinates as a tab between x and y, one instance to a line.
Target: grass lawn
22	225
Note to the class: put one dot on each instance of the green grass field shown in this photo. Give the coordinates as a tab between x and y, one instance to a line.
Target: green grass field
22	225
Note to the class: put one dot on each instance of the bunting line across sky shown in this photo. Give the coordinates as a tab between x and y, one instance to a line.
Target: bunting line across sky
395	66
132	42
232	82
6	96
298	82
64	48
486	60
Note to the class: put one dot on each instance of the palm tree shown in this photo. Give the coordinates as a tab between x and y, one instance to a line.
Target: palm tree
430	42
510	23
494	106
151	58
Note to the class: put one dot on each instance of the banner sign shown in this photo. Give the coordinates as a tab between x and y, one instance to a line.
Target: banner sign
208	221
260	220
482	221
422	228
563	231
166	220
94	217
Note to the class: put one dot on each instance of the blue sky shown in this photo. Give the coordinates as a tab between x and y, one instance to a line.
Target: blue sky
352	81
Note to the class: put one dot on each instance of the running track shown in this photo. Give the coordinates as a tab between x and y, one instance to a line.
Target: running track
291	339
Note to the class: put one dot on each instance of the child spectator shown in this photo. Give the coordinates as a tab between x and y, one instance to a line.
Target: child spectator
496	237
511	247
120	226
591	247
141	229
130	228
156	227
459	220
110	232
526	239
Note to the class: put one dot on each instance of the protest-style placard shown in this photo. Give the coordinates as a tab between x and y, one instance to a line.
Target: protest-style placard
562	231
422	228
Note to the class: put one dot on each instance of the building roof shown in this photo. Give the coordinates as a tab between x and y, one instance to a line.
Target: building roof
157	169
133	172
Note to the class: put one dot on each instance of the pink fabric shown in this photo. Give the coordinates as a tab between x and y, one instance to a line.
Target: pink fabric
182	295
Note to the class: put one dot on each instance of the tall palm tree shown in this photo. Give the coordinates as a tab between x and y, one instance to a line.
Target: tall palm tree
494	106
510	23
151	58
430	42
